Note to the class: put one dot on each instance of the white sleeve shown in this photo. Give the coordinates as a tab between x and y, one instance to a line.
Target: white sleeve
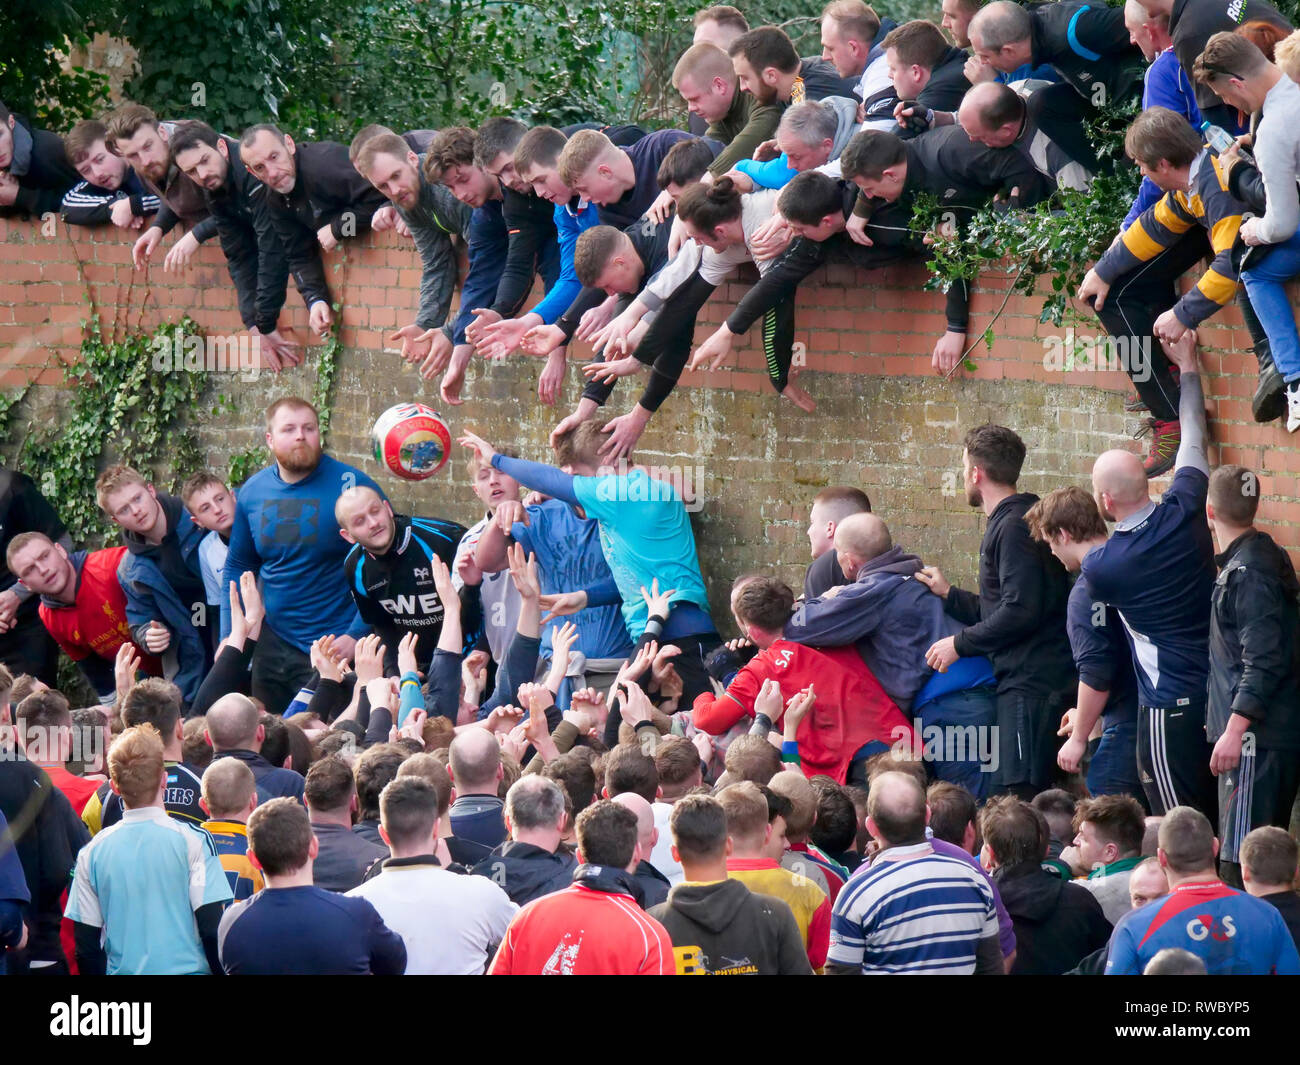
1277	151
83	901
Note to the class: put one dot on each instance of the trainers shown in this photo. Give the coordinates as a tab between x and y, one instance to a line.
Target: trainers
1133	403
1165	438
1293	406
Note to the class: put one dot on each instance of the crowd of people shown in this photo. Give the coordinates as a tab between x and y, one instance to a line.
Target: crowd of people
331	738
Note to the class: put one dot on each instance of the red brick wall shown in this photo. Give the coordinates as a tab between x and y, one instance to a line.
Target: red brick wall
885	420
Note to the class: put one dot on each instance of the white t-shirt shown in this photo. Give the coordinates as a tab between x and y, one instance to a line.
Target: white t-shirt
451	923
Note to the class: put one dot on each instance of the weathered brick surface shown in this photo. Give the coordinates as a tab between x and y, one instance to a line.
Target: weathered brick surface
884	420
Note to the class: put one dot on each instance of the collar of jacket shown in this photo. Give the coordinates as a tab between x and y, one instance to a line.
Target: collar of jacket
78	560
173	509
1223	559
21	162
609	879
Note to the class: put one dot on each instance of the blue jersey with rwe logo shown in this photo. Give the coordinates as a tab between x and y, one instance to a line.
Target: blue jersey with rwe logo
1233	933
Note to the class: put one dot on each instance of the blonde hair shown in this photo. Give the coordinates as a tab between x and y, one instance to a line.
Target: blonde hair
135	764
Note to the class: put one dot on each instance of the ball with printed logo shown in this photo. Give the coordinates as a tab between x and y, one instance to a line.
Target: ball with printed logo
411	441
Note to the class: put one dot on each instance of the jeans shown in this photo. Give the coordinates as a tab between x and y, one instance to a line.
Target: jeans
1265	287
967	716
1113	769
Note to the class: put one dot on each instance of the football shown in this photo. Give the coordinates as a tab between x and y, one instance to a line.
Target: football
411	441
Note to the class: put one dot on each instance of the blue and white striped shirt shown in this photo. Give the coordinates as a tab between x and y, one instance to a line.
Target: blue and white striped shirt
912	912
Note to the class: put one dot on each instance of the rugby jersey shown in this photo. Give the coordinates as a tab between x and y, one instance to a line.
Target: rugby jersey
1233	933
913	912
231	841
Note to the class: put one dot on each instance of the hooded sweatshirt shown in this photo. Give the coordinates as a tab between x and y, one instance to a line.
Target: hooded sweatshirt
777	173
722	928
1057	924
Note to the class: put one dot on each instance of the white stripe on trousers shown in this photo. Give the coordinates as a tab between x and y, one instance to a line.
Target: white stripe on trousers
1160	761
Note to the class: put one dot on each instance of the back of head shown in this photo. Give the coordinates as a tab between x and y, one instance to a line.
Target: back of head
582	151
374	769
580	446
792	784
745	807
917	43
534	803
896	806
994	104
724	15
764	601
854	20
767	46
1234	494
678	764
1001	23
1066	510
708	206
808	198
752	758
607	834
593	252
1011	831
836	825
839	501
329	787
279	835
1268	856
1161	134
864	536
1187	840
1057	806
195	749
1265	36
1174	961
408	812
42	712
629	768
539	147
275	741
952	811
1230	55
475	761
686	161
153	701
1286	54
228	787
699	828
232	723
575	774
869	153
1117	819
895	761
496	135
135	765
810	123
701	63
998	451
433	772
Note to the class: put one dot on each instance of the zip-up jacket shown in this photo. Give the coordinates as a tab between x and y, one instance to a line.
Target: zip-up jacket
1208	204
1254	652
1018	618
1088	45
1193	22
92	205
255	257
436	218
327	191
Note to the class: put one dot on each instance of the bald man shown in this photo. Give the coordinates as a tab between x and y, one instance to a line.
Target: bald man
477	817
1157	569
884	919
234	730
653	884
390	578
892	620
997	116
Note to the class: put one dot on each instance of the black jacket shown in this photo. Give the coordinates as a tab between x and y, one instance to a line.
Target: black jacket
327	191
1287	903
254	255
1193	22
1254	650
822	574
40	165
1088	44
724	929
820	80
944	90
533	249
47	835
525	872
1057	924
654	885
1019	617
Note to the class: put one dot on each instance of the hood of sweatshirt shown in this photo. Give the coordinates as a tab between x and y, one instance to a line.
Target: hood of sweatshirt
846	121
895	560
1028	892
172	507
711	906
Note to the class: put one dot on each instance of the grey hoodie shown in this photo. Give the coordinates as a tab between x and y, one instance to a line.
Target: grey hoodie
724	929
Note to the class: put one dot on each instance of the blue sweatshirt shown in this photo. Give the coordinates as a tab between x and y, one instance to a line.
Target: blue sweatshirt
569	225
1166	85
297	552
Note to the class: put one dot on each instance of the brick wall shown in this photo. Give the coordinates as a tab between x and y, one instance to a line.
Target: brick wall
884	420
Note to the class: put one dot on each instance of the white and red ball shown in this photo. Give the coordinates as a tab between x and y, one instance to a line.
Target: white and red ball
411	441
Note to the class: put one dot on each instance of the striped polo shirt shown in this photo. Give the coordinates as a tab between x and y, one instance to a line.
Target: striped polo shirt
913	912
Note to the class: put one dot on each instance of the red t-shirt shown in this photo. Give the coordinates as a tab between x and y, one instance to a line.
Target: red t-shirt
96	622
77	790
583	932
851	710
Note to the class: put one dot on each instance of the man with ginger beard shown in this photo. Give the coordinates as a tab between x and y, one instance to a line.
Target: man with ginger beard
286	532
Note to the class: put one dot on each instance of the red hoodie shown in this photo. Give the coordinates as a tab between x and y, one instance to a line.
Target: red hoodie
851	710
